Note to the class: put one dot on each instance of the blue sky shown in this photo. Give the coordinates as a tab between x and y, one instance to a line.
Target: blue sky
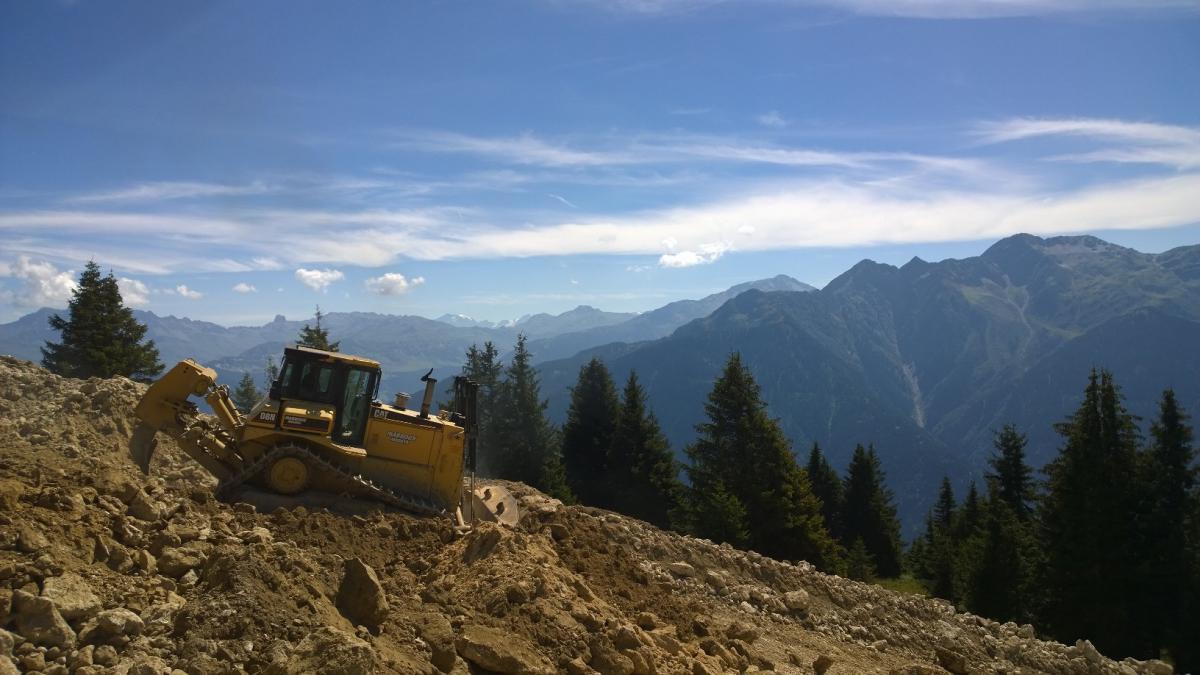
230	161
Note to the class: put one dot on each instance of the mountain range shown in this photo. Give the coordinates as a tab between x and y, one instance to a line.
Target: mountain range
406	346
927	360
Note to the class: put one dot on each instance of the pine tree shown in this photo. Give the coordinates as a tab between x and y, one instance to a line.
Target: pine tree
1089	526
1002	581
587	435
317	337
869	514
1171	492
942	554
744	475
1013	477
271	371
827	486
525	446
484	367
970	517
860	565
246	395
643	472
100	337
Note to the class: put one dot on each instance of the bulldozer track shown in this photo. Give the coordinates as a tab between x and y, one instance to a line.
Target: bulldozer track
359	484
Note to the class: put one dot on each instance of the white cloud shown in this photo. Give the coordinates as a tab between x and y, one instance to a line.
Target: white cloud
523	149
161	191
708	253
925	9
1135	142
563	200
318	280
392	283
771	119
42	284
266	263
243	287
188	293
133	292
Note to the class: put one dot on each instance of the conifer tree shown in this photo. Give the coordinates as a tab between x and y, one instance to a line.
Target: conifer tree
525	445
484	367
827	486
317	337
100	337
860	565
869	513
1172	500
1089	525
942	553
271	371
246	395
1001	582
643	472
745	477
587	435
1013	477
970	517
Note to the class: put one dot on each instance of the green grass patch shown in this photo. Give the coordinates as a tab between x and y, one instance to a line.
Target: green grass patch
904	584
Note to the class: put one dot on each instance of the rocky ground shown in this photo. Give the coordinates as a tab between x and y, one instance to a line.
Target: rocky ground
103	570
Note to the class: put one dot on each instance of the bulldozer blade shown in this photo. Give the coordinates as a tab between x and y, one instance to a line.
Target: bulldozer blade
142	445
494	504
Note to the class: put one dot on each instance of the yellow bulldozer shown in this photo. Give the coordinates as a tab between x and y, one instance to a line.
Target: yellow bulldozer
322	428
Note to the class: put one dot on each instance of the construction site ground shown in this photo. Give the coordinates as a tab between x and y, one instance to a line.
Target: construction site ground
105	570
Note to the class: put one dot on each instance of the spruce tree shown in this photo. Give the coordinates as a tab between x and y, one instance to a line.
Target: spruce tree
246	395
1001	584
587	435
1013	477
644	476
1089	525
827	486
484	367
1171	492
100	337
942	554
860	564
526	446
271	371
970	517
317	337
869	513
744	474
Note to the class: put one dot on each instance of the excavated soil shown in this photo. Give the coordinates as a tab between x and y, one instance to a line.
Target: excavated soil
104	570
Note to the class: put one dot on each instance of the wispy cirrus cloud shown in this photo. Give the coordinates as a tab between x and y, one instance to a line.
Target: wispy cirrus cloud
800	214
922	9
1127	142
161	191
772	119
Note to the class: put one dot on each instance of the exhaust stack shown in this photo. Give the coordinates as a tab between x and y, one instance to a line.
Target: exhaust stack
430	383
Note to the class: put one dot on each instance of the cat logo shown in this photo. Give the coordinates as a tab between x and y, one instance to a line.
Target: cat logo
397	437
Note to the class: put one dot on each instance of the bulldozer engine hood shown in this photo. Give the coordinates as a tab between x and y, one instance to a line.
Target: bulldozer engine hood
316	420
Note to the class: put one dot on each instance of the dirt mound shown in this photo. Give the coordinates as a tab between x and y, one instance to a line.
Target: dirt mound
105	570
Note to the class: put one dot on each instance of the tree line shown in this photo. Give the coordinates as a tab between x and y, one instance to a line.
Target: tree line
1106	548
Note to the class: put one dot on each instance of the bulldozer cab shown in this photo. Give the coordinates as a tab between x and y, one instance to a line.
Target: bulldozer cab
340	385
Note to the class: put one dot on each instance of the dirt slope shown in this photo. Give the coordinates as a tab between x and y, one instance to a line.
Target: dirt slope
105	570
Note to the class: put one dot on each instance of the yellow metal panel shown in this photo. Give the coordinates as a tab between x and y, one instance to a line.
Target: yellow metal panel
309	418
338	356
